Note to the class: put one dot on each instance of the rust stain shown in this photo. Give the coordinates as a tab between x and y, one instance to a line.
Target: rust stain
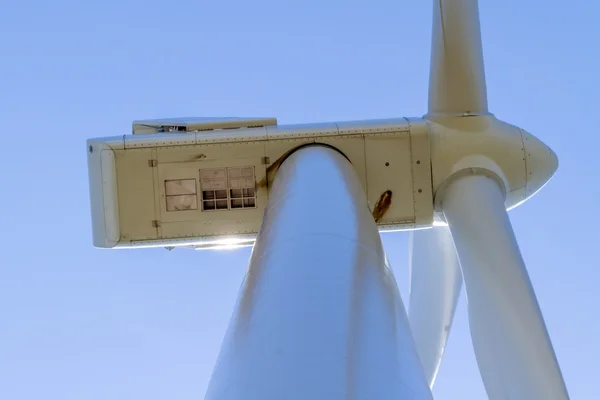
272	170
382	205
197	157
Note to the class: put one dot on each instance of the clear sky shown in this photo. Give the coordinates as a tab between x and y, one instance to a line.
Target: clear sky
81	323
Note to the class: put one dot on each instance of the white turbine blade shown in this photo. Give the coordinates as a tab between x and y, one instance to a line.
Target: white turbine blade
512	346
435	283
456	76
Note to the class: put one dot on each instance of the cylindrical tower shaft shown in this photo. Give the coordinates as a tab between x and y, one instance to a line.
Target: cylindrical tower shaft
319	314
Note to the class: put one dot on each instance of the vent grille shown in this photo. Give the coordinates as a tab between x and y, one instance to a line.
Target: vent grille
228	188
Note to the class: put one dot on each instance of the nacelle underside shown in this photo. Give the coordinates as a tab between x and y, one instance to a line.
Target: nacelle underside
205	183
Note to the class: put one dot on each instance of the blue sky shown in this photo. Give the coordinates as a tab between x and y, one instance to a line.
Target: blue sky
78	322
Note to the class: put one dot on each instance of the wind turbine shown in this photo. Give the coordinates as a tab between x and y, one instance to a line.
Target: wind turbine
319	313
512	346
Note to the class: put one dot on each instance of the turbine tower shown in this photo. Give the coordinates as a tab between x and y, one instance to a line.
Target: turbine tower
319	315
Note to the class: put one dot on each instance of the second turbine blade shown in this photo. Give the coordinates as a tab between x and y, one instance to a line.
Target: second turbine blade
511	342
435	283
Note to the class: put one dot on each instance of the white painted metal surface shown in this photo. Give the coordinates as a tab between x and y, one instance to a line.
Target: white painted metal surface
319	315
388	155
102	176
512	346
456	76
435	284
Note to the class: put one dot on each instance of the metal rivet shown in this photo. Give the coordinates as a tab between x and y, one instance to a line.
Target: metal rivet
418	162
419	190
387	164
